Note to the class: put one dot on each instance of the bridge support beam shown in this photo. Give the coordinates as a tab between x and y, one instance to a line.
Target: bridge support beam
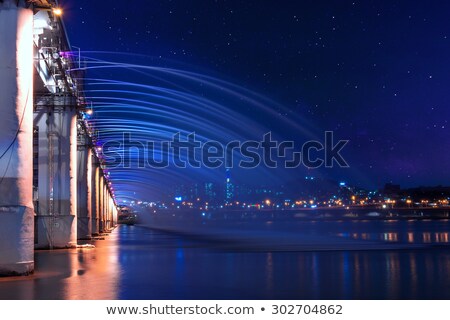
16	148
84	205
57	190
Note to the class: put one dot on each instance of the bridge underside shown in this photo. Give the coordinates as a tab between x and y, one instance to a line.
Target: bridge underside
52	187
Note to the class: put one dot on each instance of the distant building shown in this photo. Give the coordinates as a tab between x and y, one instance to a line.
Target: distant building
211	193
229	188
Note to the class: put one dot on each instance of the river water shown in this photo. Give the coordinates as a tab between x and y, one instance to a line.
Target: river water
406	260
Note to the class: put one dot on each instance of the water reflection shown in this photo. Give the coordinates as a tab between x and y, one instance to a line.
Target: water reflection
138	263
426	236
407	237
413	275
269	272
214	272
69	274
390	236
392	284
93	273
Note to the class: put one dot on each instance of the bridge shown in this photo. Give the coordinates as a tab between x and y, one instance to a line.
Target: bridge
53	188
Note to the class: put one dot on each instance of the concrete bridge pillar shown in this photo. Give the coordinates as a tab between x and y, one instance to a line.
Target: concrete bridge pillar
109	211
84	205
95	195
106	209
105	214
101	208
114	216
56	225
16	132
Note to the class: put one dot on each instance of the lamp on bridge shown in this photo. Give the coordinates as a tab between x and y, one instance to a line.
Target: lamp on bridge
57	11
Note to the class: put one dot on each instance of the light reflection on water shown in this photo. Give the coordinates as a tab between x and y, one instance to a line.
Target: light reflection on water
138	263
417	232
410	237
69	274
93	273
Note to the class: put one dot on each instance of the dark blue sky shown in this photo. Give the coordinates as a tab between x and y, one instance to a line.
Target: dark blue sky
374	72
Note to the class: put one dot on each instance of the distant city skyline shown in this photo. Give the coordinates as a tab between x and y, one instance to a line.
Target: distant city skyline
309	192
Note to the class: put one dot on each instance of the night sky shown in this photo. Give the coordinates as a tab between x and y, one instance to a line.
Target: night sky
375	72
